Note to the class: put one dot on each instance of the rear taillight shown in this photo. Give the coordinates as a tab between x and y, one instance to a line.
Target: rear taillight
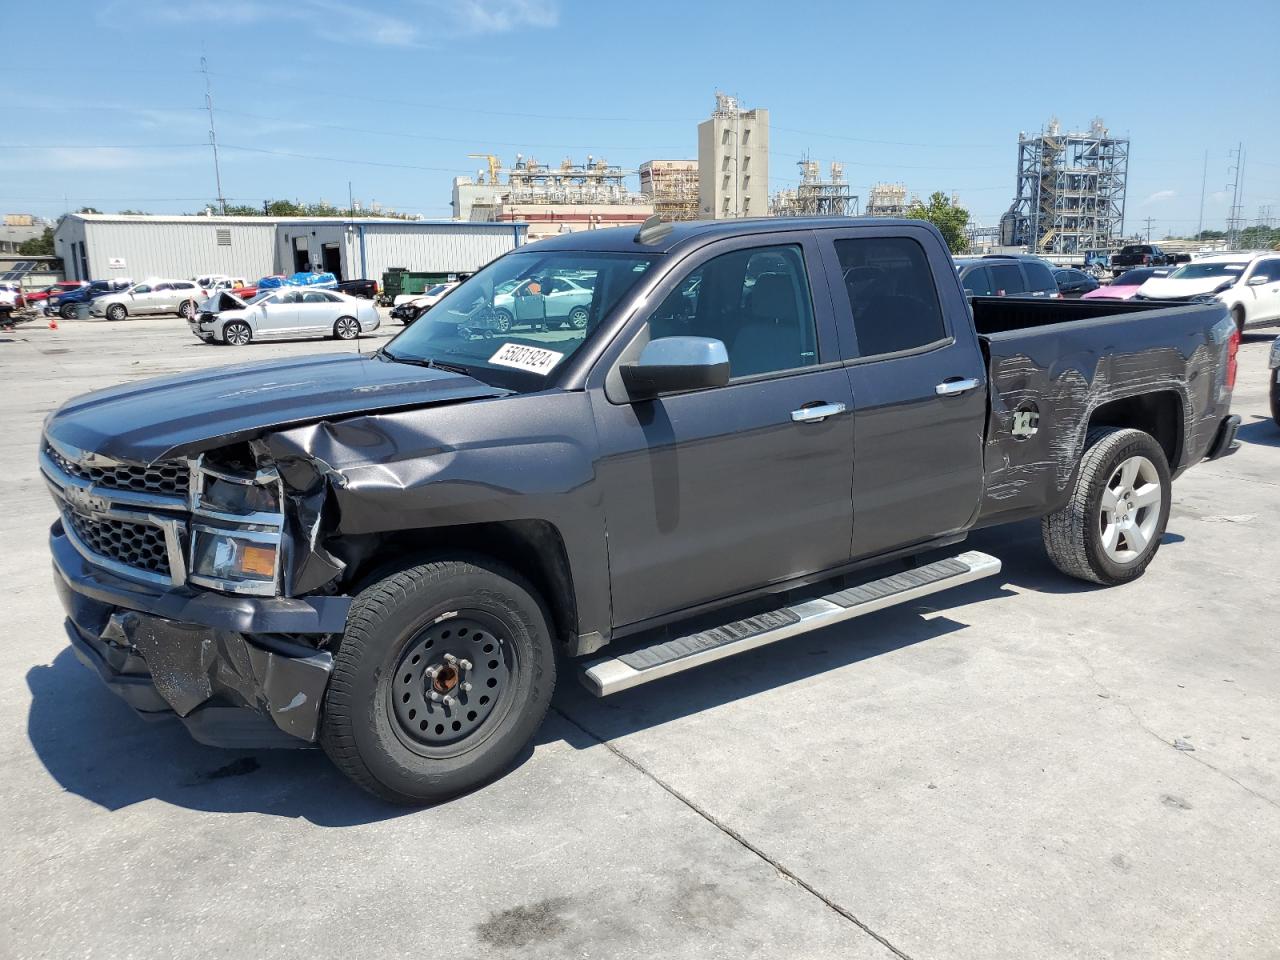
1233	347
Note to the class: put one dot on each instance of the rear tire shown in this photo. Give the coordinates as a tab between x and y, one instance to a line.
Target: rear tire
381	724
1110	528
68	311
237	333
346	328
187	309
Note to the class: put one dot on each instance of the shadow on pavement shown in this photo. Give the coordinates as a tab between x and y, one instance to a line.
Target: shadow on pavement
1261	431
96	747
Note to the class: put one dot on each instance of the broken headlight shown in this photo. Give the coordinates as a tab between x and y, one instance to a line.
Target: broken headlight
236	526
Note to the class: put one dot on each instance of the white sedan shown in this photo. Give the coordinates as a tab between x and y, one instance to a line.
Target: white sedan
538	303
287	313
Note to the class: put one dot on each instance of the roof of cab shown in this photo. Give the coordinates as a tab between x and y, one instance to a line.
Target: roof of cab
698	232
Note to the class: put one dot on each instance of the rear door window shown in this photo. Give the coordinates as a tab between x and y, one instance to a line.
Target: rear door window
1039	277
891	294
1006	280
977	282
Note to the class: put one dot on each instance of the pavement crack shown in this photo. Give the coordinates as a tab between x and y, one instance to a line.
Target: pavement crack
1142	725
785	872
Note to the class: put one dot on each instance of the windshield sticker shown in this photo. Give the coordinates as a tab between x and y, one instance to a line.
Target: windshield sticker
533	359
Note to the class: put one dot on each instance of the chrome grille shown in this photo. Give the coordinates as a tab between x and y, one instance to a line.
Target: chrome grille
134	544
165	478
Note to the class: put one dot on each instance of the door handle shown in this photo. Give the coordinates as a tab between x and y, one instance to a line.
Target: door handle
818	412
953	388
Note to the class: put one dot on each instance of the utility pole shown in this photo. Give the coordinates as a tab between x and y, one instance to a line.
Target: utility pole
213	135
1148	229
1204	179
1233	219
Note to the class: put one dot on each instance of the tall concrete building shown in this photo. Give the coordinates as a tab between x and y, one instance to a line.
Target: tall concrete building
733	162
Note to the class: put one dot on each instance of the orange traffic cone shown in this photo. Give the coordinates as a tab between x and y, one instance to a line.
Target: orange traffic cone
53	322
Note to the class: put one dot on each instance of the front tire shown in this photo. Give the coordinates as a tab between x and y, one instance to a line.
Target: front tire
1109	530
117	312
444	674
237	333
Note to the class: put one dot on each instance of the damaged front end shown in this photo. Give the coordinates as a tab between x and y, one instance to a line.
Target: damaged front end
199	587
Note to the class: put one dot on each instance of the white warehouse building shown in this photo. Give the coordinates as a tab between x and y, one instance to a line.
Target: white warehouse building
97	246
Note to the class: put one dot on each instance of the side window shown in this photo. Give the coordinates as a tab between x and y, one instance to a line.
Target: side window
977	282
142	288
1270	269
1039	278
755	301
314	296
1007	280
160	287
891	294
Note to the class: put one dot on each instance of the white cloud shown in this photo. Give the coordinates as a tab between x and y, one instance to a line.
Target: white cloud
97	160
499	16
346	22
1159	196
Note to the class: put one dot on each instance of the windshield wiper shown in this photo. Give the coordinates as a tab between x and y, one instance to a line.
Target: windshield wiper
428	362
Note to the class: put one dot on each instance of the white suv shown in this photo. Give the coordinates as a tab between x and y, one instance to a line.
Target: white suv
149	297
1248	283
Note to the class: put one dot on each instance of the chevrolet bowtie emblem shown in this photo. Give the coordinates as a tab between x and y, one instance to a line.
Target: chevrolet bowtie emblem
85	502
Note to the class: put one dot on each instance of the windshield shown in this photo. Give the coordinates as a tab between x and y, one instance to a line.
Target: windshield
265	294
1200	271
524	312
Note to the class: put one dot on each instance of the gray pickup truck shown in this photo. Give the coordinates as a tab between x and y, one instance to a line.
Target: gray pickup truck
391	555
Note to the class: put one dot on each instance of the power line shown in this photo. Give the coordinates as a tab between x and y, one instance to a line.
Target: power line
213	135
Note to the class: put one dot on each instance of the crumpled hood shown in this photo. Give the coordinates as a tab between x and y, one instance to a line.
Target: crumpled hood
176	416
1162	288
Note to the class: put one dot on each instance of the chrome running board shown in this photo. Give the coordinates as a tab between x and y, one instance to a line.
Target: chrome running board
603	677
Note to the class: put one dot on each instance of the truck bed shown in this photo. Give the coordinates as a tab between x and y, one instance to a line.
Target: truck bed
1055	365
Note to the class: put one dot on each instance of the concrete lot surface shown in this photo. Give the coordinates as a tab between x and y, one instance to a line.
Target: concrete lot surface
1024	767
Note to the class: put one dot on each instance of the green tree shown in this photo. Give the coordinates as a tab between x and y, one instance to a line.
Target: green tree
134	213
284	208
1211	235
946	216
41	246
88	210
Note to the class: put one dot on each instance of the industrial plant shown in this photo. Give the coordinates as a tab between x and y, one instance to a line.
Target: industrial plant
1070	191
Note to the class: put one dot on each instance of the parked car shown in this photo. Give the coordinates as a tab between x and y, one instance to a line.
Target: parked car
543	301
1273	364
151	297
39	298
410	310
365	289
17	300
290	312
218	281
1248	283
1145	255
68	303
1074	283
1010	276
1127	284
390	554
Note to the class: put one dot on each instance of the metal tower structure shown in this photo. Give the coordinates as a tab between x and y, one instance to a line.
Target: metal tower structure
1070	191
815	197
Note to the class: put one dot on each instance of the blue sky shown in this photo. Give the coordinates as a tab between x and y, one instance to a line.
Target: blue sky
395	95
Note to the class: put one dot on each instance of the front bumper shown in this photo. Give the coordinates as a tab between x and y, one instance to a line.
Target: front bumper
233	668
1224	442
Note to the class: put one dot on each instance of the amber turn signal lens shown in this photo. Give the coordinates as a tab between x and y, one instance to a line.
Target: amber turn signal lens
260	561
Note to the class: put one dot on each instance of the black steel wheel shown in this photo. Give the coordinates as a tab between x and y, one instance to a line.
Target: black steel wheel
442	677
453	678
